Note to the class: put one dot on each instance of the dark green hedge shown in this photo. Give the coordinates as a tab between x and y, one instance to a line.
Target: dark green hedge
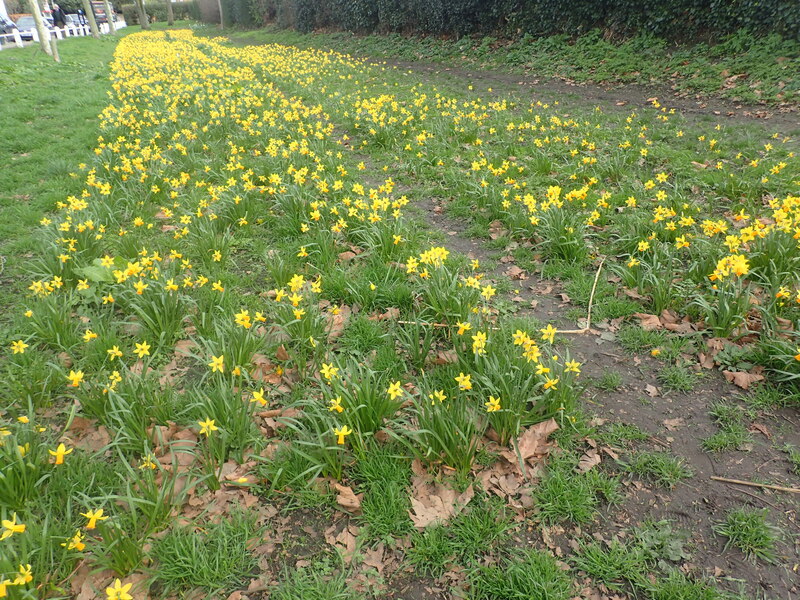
158	10
671	19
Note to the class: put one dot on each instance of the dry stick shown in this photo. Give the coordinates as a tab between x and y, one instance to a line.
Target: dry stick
437	324
584	330
591	301
780	488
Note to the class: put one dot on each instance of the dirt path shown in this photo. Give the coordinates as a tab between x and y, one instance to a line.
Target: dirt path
677	423
786	120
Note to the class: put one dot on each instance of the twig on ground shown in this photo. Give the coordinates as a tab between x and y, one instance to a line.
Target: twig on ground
591	302
780	488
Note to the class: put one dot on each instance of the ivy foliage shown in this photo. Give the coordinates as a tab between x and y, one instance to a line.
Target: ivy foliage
675	20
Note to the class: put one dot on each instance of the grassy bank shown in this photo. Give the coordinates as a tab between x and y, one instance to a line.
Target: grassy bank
740	68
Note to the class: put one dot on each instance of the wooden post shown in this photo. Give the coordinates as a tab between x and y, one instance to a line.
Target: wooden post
112	27
41	31
17	38
170	14
87	8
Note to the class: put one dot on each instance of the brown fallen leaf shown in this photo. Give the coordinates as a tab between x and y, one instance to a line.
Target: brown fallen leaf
589	460
761	428
514	272
348	499
445	357
705	360
651	390
336	322
742	379
435	503
673	424
374	558
649	322
533	442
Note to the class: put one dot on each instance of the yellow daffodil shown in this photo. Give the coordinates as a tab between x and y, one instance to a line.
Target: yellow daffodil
335	404
549	333
341	433
18	347
207	427
75	542
259	397
217	363
142	350
119	591
464	381
60	452
75	378
394	390
94	516
11	527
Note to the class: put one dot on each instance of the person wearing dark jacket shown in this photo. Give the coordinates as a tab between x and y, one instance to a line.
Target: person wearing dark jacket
59	17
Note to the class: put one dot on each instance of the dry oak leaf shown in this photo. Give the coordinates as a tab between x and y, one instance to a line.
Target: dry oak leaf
344	541
336	322
673	424
742	379
649	322
435	503
589	460
514	272
445	357
347	499
533	442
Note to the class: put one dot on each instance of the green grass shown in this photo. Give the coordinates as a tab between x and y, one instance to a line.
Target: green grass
635	339
678	378
662	468
529	574
621	434
699	69
612	564
51	112
564	495
431	551
214	557
482	528
748	530
610	381
733	434
383	475
316	582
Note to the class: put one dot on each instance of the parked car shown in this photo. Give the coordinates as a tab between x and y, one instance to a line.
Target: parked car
7	26
73	21
26	24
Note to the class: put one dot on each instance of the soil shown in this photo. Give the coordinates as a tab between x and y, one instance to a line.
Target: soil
612	97
696	505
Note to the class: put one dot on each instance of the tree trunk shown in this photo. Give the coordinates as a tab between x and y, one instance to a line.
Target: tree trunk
41	28
112	28
221	15
87	8
170	14
144	20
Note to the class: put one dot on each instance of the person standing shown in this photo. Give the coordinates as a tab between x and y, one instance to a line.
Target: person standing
59	17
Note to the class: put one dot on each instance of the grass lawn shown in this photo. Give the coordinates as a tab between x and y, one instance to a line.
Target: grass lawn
283	323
